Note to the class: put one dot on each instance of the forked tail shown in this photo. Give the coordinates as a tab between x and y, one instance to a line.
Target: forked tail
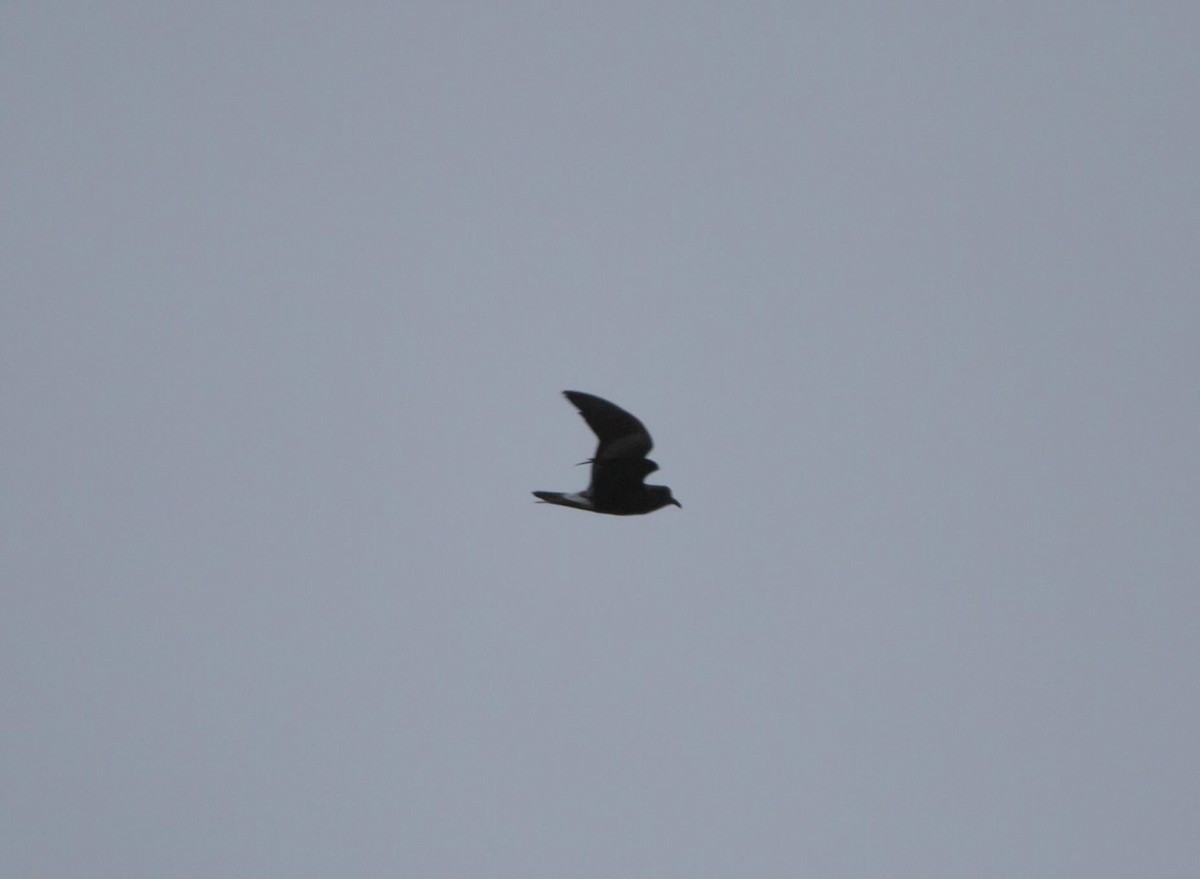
577	500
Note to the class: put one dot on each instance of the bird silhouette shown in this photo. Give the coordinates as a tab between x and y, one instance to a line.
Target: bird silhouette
619	466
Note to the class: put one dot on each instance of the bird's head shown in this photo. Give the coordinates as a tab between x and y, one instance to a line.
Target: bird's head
662	496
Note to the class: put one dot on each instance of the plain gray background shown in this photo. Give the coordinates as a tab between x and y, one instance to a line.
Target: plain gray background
907	295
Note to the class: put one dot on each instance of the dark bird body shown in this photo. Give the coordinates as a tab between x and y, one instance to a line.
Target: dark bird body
619	467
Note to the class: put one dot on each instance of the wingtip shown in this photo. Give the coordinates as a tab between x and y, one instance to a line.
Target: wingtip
578	399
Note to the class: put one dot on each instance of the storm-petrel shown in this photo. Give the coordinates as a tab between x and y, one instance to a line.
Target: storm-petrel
619	466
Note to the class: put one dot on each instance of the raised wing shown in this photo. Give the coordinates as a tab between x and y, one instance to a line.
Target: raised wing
620	463
622	437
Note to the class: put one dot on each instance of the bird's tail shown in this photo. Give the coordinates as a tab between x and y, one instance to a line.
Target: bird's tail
578	500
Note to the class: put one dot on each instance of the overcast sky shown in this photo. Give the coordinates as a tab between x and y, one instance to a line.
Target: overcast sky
907	295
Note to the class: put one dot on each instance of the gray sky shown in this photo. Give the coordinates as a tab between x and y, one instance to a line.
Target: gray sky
908	298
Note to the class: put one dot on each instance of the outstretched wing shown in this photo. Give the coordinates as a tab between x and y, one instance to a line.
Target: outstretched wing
620	463
621	435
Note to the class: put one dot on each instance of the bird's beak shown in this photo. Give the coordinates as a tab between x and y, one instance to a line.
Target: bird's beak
677	503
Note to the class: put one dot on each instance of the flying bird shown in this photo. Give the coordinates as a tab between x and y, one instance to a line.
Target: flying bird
619	466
